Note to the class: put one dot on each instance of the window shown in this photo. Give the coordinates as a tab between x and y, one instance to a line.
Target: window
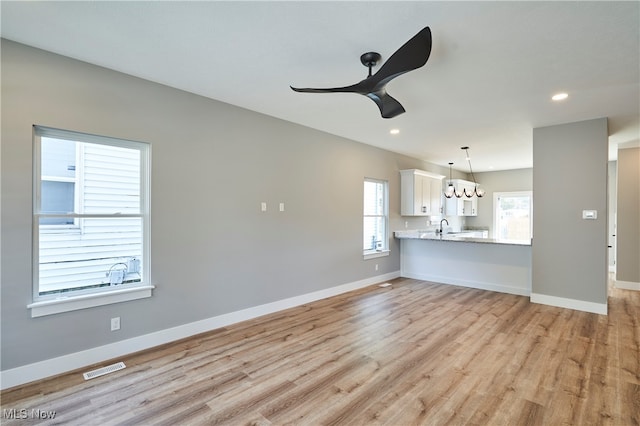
91	221
513	215
375	233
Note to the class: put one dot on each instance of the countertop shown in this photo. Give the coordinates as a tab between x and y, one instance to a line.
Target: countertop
464	237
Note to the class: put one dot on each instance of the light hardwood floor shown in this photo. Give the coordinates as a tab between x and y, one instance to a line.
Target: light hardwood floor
414	353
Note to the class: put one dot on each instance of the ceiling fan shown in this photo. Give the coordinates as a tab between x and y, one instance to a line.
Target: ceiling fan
412	55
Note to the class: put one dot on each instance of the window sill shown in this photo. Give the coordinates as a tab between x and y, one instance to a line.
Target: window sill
374	254
74	303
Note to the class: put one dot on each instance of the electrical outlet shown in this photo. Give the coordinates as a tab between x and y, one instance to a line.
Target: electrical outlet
115	323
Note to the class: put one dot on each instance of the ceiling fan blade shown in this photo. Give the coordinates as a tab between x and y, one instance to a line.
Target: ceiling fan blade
410	56
389	106
351	89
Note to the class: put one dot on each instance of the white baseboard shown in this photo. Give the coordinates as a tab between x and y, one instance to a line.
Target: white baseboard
561	302
627	285
54	366
472	284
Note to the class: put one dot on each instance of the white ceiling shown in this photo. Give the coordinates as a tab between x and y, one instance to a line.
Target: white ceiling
487	84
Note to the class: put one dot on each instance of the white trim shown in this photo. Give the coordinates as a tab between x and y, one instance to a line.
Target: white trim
627	285
423	173
50	367
73	303
561	302
74	136
438	279
371	254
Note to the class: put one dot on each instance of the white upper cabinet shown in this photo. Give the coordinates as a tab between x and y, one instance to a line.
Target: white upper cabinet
462	206
421	193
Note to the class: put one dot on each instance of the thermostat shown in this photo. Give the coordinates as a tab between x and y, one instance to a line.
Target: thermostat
589	214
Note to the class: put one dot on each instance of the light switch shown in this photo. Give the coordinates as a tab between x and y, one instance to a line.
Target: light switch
589	214
263	206
281	207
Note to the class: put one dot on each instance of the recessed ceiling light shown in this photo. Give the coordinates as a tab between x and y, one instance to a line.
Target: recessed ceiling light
394	131
559	96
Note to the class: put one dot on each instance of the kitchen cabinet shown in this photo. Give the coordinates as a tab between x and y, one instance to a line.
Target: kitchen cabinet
421	193
462	206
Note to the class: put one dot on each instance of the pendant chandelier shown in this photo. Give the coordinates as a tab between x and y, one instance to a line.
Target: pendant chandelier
451	190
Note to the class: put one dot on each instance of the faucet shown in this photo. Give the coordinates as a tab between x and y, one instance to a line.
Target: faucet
443	220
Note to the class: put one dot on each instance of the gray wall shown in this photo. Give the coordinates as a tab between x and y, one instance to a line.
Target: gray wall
213	251
628	233
502	181
570	174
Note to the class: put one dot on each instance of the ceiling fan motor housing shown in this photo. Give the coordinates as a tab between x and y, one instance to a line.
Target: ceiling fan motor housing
370	59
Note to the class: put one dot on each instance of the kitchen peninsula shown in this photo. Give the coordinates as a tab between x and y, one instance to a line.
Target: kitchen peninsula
466	260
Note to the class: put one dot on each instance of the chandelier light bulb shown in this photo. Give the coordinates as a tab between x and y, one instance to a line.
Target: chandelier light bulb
450	191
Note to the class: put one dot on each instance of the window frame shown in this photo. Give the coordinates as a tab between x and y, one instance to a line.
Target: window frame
80	299
384	251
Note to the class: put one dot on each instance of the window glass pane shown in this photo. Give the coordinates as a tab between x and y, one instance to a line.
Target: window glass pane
374	233
58	158
108	252
513	213
373	198
108	177
58	198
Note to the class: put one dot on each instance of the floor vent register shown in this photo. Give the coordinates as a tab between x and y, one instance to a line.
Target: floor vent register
104	370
